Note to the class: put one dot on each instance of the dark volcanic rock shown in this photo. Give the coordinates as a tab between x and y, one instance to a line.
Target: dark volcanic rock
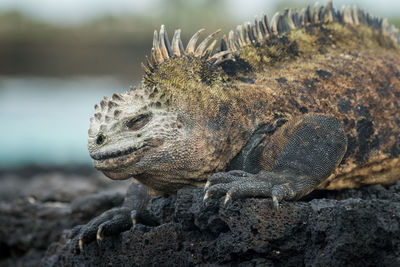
35	210
352	227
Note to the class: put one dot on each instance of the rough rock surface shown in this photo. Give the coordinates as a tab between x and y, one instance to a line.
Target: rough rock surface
36	206
351	227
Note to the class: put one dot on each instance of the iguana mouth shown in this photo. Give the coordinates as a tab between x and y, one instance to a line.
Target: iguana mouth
114	164
102	156
115	154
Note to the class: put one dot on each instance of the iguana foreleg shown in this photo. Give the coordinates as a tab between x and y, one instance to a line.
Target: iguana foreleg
294	160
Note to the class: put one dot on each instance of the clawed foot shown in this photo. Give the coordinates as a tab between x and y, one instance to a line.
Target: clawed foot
111	222
239	184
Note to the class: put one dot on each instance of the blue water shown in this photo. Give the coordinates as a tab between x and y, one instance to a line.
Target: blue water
44	121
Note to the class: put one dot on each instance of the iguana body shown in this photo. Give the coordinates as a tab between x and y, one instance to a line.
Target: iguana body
309	101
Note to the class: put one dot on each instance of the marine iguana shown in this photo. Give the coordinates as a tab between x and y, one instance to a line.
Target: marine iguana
307	101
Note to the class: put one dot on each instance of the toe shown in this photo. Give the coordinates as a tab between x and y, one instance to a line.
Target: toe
118	224
87	235
74	245
74	231
99	236
81	244
143	217
134	217
246	188
275	202
228	199
216	191
208	184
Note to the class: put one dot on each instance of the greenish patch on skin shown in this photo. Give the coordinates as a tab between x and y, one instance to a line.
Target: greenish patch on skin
267	53
192	86
308	41
176	71
349	37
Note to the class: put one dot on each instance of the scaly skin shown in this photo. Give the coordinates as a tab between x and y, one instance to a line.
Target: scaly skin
311	107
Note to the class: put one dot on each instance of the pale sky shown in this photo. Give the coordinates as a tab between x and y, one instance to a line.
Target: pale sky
76	11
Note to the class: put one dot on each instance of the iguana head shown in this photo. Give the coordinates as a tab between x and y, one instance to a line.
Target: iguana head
127	127
152	128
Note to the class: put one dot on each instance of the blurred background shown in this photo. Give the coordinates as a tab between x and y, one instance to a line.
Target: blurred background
59	58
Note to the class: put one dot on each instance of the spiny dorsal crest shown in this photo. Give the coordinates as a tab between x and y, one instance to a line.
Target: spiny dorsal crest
120	105
248	33
290	19
163	50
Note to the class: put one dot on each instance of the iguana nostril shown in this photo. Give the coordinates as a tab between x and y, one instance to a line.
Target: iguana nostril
100	139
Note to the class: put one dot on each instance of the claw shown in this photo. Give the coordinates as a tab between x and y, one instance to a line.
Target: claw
99	236
207	186
134	217
81	244
276	202
206	195
228	199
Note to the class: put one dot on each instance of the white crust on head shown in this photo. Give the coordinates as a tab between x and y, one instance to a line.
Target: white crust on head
112	116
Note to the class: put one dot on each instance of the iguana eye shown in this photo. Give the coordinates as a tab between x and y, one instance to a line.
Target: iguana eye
139	121
100	139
